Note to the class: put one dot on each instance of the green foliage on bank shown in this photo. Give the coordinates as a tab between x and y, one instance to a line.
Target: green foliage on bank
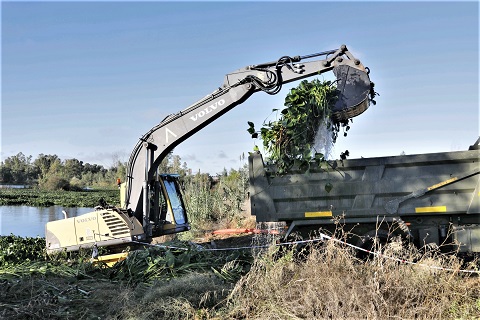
49	172
14	249
72	286
44	198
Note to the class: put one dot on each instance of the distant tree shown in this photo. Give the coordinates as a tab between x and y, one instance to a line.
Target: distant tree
199	198
55	182
117	171
76	184
93	168
6	175
42	164
165	166
186	169
177	166
73	168
54	178
87	179
17	169
224	172
121	171
231	189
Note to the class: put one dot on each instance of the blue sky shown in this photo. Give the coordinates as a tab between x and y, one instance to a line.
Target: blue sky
85	80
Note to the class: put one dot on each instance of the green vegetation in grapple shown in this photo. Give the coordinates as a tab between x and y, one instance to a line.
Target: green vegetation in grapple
289	140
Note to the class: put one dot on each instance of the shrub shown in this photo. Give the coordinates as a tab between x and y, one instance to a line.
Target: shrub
55	183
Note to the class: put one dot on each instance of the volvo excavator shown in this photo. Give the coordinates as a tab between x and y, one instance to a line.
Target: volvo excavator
151	202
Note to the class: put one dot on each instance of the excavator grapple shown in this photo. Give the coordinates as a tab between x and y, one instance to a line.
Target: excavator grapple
355	92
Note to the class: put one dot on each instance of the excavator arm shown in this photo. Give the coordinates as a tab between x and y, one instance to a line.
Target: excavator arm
355	92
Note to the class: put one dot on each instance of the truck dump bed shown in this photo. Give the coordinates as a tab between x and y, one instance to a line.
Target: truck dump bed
430	193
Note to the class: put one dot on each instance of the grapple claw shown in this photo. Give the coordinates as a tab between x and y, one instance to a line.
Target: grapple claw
354	89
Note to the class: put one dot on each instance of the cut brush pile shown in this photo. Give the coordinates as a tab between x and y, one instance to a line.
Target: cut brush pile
290	140
327	283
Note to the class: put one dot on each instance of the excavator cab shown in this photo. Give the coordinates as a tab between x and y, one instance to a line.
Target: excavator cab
173	217
167	211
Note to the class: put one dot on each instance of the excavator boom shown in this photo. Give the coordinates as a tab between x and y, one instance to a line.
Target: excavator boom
152	203
353	83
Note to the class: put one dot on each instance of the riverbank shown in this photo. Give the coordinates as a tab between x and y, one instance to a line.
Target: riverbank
43	198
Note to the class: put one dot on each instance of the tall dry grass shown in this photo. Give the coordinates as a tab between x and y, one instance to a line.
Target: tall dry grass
327	283
331	283
193	296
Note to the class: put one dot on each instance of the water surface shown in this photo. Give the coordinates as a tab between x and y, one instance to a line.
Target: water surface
28	221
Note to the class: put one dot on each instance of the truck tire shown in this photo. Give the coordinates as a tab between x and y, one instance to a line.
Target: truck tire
372	241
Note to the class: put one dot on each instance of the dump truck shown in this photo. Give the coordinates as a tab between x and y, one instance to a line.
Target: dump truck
428	199
152	202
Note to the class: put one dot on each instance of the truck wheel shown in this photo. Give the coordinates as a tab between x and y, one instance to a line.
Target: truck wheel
372	241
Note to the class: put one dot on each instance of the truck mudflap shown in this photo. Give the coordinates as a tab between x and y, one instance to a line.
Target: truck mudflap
467	238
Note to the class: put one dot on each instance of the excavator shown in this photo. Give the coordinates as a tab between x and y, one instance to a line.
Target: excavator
151	202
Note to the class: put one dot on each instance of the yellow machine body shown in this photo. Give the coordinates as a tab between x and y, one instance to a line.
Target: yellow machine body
104	227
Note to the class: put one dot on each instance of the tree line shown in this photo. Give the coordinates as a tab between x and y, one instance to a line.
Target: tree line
52	173
209	198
